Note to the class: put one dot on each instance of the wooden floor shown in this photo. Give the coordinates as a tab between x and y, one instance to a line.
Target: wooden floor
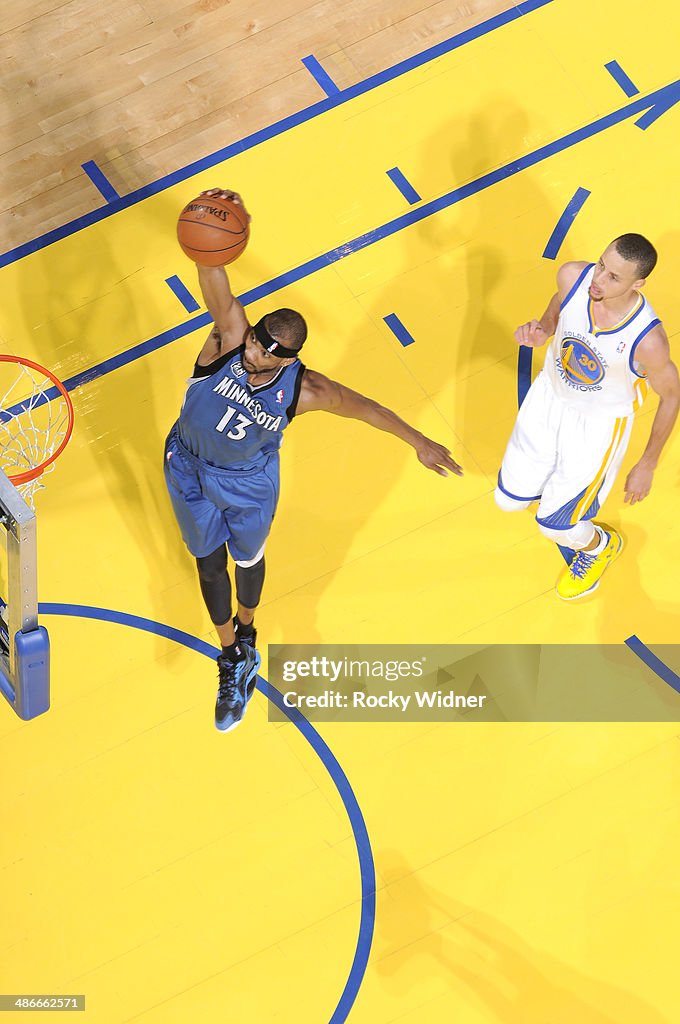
157	84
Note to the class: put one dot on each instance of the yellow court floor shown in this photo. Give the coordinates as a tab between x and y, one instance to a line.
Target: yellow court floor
522	873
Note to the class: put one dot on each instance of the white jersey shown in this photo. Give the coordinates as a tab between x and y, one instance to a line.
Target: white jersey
593	368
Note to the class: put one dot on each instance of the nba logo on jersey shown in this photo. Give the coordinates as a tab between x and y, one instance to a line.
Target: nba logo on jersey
280	395
580	366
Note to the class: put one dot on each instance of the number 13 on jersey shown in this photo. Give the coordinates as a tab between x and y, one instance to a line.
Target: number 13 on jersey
238	430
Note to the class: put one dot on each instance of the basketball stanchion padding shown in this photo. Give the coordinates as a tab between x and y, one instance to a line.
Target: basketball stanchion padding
36	423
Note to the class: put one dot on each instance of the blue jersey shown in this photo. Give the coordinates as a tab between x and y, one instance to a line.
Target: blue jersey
229	423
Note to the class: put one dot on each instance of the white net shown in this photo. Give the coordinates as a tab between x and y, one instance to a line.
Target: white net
35	422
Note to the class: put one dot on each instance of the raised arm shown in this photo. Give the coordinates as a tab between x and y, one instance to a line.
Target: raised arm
536	332
320	394
225	309
654	355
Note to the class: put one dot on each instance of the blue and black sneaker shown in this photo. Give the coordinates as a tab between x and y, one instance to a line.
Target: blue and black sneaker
237	681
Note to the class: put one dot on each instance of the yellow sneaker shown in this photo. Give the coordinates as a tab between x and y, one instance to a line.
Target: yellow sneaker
583	574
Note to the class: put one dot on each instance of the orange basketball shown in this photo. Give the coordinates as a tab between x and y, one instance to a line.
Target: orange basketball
213	231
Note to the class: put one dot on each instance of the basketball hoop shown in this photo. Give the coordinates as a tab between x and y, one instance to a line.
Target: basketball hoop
36	422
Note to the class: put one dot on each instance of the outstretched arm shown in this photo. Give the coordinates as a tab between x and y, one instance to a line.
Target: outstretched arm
320	394
225	309
653	354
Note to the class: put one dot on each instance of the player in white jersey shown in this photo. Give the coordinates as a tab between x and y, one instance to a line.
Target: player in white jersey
574	424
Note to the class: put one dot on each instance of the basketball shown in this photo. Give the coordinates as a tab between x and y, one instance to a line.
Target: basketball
213	231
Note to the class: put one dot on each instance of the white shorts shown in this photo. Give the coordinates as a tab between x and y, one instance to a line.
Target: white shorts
562	458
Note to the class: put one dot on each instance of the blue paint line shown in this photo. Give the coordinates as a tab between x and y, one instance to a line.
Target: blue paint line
358	968
180	290
525	358
621	78
109	365
398	329
100	181
320	747
278	128
320	75
560	230
413	216
405	187
651	661
144	348
670	98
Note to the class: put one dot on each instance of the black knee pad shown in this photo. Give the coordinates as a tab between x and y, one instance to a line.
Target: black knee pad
215	585
249	583
213	567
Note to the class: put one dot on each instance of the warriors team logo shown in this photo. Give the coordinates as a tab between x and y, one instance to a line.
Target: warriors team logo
581	365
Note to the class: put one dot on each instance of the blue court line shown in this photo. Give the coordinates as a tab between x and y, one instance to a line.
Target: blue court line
405	220
398	329
100	181
278	128
560	230
108	365
671	98
651	661
181	291
320	747
621	78
405	187
524	360
320	75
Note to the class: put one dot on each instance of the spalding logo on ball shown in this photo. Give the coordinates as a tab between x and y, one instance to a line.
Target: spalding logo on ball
213	231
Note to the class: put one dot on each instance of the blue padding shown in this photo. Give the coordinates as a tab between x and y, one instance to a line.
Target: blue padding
32	660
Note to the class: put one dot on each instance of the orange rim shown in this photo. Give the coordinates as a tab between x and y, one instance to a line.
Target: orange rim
31	474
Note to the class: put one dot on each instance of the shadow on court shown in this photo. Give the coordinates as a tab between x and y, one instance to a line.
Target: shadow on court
483	962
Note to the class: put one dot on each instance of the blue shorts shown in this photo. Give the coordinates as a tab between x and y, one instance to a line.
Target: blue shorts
221	506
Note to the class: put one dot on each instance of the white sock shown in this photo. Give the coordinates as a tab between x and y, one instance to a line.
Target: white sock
604	540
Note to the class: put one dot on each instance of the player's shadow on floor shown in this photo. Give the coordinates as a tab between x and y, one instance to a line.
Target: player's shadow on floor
627	608
465	336
423	932
118	418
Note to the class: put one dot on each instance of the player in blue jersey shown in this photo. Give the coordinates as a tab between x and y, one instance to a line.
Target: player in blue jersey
574	425
222	465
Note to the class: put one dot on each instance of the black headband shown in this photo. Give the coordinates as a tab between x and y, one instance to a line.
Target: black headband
271	344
